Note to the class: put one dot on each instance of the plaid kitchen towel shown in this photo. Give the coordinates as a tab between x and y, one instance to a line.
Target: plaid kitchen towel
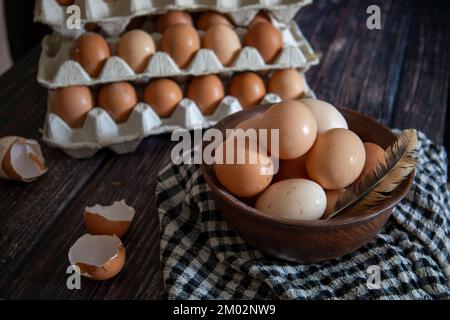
203	258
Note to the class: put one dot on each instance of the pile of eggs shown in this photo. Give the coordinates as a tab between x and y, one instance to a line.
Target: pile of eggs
180	40
319	158
73	103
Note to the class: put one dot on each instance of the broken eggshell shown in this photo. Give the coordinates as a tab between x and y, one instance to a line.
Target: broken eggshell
97	257
21	159
108	220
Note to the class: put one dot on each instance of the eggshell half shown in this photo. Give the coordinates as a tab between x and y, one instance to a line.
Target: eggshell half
21	159
98	257
109	220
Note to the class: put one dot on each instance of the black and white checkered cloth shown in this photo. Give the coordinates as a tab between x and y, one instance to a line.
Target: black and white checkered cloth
202	258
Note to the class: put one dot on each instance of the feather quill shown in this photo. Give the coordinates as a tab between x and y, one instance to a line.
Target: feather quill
375	187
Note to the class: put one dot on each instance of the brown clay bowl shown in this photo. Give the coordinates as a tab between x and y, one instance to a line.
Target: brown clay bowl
306	241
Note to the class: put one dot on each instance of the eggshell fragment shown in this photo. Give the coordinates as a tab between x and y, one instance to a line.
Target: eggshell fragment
21	159
98	257
299	199
108	220
327	116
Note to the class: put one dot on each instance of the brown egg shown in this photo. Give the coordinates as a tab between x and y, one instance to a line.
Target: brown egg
288	84
136	47
246	179
118	99
291	169
181	42
336	159
163	95
332	197
224	42
248	88
72	104
207	92
171	18
266	39
374	155
297	129
211	18
66	2
260	17
91	51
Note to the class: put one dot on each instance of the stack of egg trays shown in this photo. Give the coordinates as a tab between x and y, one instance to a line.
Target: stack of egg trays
100	130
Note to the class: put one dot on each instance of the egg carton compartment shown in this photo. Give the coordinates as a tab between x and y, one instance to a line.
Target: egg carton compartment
56	69
100	130
113	16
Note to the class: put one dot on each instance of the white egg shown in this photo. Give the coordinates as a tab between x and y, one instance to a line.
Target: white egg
298	199
327	116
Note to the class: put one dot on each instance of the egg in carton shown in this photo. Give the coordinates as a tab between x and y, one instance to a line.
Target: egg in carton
57	69
113	16
100	130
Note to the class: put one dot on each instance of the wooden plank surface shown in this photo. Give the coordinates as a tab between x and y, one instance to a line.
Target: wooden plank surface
423	96
360	68
28	211
389	74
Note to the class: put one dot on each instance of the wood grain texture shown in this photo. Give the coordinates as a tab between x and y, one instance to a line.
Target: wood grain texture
400	75
132	178
360	68
28	211
423	96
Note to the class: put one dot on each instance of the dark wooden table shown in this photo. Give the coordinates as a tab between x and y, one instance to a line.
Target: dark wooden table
399	75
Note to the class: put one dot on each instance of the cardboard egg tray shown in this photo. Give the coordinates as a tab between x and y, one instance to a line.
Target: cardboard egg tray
56	69
100	130
113	16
